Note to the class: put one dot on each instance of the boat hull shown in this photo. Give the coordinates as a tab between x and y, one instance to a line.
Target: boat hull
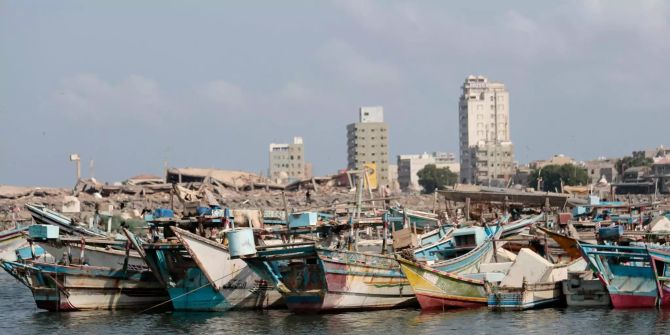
583	292
208	279
55	300
248	291
74	288
626	272
437	290
363	281
531	296
325	280
622	300
97	256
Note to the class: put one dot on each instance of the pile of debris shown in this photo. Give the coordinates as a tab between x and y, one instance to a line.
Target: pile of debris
191	187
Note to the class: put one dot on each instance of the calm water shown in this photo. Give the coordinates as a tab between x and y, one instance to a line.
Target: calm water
18	315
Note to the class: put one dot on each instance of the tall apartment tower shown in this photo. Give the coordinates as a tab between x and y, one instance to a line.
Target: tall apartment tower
486	152
367	142
287	161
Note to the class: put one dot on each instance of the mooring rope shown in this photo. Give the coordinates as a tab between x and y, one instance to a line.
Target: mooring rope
189	292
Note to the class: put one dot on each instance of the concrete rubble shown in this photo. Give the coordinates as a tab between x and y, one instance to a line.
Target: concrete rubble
199	187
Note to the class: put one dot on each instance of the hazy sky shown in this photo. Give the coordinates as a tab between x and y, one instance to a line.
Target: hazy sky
132	84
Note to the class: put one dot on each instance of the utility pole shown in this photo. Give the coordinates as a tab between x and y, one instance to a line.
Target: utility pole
91	169
75	158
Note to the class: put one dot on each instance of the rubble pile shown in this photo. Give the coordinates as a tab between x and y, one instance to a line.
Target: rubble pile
131	199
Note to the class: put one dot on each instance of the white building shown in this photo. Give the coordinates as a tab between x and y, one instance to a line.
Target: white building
287	161
410	165
484	123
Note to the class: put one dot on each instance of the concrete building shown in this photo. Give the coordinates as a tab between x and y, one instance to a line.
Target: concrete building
287	161
559	159
393	177
661	151
410	165
486	151
521	177
661	173
309	170
601	167
493	163
367	143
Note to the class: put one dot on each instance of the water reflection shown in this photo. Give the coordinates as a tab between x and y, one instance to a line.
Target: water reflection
19	315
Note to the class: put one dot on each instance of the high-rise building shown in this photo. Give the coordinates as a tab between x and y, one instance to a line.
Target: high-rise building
410	165
486	151
367	143
287	161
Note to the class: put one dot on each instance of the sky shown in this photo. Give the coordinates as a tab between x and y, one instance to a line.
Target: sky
135	84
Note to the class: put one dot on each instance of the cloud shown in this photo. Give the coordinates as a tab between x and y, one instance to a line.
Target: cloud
347	62
88	97
388	18
224	94
296	92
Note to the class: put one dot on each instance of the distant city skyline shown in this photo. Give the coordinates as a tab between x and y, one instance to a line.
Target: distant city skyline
211	84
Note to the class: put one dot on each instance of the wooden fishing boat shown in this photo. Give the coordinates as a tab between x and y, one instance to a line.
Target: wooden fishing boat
439	290
72	288
455	242
516	227
567	243
626	272
531	282
457	282
43	215
581	288
93	251
660	257
10	240
200	275
314	279
529	296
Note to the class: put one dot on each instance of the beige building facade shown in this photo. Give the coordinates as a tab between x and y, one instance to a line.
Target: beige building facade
486	151
559	159
287	161
367	143
601	167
